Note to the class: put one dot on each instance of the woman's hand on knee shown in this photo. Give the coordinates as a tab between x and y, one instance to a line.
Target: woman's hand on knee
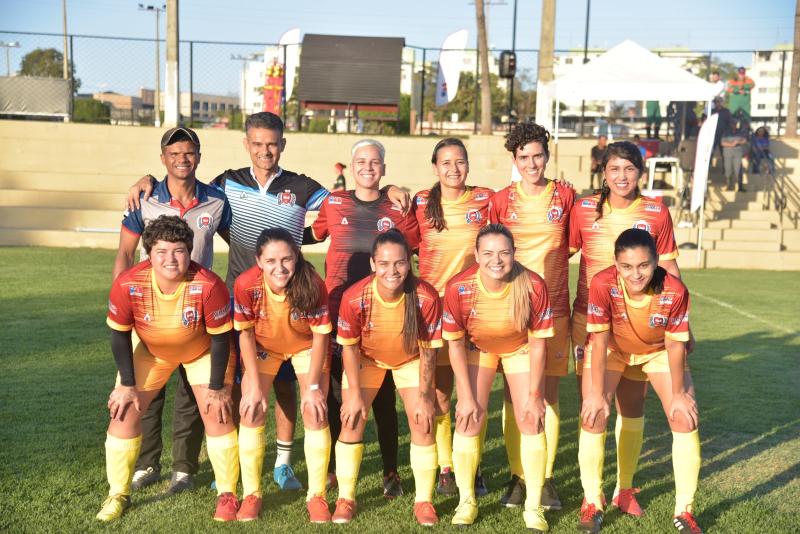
121	399
424	413
533	413
594	406
468	415
219	404
353	407
253	403
314	406
683	409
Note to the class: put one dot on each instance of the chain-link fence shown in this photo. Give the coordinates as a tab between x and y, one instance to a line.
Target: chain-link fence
121	81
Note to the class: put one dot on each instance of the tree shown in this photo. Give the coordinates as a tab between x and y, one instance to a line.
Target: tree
483	57
726	69
794	79
90	110
464	102
47	63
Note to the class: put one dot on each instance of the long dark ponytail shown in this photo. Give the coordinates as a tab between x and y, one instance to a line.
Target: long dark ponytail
621	149
433	209
302	291
411	320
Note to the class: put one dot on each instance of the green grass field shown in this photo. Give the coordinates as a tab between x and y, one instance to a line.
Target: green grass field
56	371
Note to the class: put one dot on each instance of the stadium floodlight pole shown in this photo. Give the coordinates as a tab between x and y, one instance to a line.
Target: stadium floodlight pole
586	59
245	60
66	59
8	46
156	104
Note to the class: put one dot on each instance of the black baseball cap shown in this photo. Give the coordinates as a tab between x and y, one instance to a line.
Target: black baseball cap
181	133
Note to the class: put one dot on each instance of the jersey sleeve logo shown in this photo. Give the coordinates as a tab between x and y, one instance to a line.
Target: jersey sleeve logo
189	316
554	214
135	291
615	292
384	224
473	216
595	310
464	290
655	208
665	300
658	320
421	201
588	203
205	221
112	308
447	318
334	200
222	313
481	196
195	289
287	198
642	225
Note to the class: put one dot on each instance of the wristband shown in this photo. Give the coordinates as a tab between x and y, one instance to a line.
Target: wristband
313	387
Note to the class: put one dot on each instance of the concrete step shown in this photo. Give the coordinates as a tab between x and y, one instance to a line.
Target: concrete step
59	219
61	199
741	224
791	239
751	235
745	246
75	181
772	261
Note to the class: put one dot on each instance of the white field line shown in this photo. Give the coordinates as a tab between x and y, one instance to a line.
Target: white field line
743	313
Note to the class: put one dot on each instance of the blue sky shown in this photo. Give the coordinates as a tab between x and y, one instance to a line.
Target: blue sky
697	25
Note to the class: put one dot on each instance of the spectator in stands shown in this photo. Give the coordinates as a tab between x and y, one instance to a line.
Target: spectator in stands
759	151
739	94
732	153
598	153
653	118
718	84
724	122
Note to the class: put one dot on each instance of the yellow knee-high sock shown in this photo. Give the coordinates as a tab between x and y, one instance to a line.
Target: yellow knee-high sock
251	458
534	460
552	429
317	448
629	432
121	456
423	465
466	452
348	462
444	441
591	452
511	437
223	452
686	464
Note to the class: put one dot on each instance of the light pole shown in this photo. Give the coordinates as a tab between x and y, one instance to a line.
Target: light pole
157	104
586	59
513	49
8	46
245	60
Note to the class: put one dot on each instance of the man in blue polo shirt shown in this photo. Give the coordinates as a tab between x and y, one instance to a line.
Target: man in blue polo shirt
207	211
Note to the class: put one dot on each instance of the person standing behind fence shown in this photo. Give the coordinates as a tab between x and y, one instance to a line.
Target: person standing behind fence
739	91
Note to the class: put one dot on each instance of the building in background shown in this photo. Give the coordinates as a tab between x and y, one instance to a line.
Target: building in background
766	102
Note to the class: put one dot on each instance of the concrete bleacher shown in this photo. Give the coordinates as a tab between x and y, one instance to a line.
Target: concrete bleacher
64	185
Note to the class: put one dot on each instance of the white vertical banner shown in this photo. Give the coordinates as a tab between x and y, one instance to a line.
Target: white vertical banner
451	61
291	39
702	160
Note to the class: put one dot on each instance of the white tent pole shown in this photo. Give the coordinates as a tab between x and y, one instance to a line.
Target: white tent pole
558	115
700	234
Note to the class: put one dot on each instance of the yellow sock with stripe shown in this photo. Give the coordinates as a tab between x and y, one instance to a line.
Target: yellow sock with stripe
591	452
317	448
629	433
223	452
121	454
552	429
534	460
444	441
348	462
424	465
511	437
686	465
466	453
251	458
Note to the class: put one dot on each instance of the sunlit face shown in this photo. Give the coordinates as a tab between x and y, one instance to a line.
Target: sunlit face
368	167
277	262
714	77
181	159
622	177
636	266
170	260
495	256
451	167
531	162
391	266
265	147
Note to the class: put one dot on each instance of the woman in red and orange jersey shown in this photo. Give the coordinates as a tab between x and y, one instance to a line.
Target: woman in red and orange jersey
638	316
595	223
502	309
281	309
388	321
181	314
450	214
537	212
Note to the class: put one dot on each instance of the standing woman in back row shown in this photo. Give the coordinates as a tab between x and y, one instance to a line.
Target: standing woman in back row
449	214
595	223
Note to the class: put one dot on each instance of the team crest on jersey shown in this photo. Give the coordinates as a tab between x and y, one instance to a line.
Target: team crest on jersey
189	316
287	198
658	320
135	291
204	221
481	196
336	201
554	214
195	289
588	203
665	300
615	292
473	216
384	224
421	201
642	225
655	208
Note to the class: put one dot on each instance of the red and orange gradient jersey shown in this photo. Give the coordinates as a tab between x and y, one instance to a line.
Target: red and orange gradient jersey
637	327
176	327
278	328
444	254
595	239
540	224
472	310
376	325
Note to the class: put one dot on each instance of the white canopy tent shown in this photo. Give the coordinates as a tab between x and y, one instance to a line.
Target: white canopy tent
627	71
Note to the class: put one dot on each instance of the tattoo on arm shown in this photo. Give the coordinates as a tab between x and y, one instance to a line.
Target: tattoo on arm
427	366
